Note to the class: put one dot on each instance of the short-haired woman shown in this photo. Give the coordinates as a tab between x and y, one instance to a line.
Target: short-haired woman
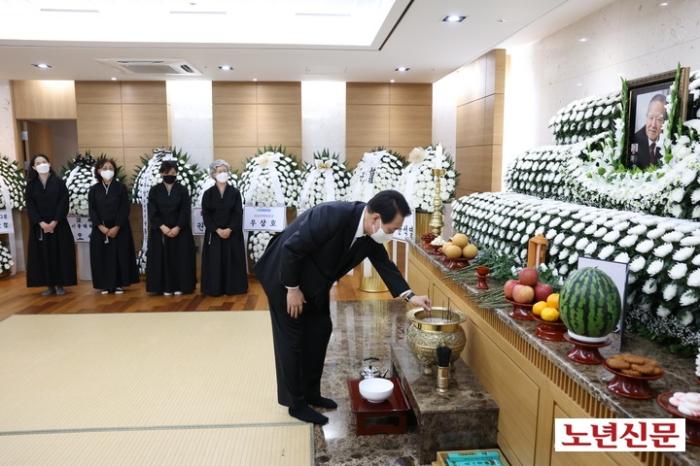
170	259
112	255
223	251
51	248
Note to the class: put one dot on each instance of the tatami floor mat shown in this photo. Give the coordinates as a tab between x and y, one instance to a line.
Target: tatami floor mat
249	446
137	370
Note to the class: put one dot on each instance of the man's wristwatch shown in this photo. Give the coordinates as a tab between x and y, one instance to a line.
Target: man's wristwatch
407	297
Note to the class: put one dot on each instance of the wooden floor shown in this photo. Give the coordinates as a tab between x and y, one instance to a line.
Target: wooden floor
16	298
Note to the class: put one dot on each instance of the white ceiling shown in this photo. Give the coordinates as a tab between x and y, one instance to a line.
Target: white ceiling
270	39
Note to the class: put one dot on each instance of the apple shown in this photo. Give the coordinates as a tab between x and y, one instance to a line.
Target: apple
528	276
542	290
523	294
508	288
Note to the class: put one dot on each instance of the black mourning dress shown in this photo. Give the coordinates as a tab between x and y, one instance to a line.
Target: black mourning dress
170	263
223	260
50	257
113	263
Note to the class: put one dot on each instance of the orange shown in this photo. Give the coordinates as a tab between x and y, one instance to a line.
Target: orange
553	300
538	306
549	314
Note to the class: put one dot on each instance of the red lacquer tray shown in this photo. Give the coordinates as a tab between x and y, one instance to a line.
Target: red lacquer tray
549	330
630	386
692	423
521	311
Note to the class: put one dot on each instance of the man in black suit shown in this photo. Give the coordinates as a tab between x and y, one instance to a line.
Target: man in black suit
649	139
297	272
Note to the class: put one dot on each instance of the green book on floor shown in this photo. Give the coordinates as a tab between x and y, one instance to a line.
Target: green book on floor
477	458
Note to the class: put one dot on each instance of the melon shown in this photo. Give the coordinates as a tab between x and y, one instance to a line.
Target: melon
470	251
460	239
452	251
589	304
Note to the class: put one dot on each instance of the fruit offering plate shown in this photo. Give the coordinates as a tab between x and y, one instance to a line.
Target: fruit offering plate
427	238
692	423
585	353
521	311
632	386
549	330
455	264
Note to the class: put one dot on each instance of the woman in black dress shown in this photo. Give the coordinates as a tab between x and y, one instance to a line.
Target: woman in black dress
51	249
223	250
170	258
112	255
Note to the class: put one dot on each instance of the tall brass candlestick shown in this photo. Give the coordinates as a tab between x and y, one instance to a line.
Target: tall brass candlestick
436	222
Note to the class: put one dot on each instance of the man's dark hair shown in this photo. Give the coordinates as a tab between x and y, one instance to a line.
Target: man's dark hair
167	165
387	204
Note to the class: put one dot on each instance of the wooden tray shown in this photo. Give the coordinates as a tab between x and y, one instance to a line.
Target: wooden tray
389	417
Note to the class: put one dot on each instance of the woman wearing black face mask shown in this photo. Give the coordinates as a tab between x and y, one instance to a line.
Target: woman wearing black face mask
170	262
112	256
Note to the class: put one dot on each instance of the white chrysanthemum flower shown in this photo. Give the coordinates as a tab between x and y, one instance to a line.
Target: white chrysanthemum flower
688	298
621	226
611	236
573	258
663	250
623	257
600	232
645	246
581	243
695	196
606	252
637	264
649	286
590	229
590	249
677	195
568	242
656	233
637	230
687	176
683	254
672	237
690	241
663	311
655	267
694	278
564	254
628	241
559	238
678	271
686	318
670	291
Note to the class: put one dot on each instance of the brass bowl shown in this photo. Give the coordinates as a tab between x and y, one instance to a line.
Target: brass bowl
424	335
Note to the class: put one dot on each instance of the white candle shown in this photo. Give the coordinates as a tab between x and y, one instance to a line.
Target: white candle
437	163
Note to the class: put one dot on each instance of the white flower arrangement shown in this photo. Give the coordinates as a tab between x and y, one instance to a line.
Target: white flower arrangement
6	262
14	181
417	182
325	179
257	242
585	117
378	170
147	175
271	179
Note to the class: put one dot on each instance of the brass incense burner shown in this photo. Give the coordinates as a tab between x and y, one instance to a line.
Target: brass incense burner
427	330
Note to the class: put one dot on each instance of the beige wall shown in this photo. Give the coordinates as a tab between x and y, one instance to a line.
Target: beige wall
396	116
480	98
249	115
122	119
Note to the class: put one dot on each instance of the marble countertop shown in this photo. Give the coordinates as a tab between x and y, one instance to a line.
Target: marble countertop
679	372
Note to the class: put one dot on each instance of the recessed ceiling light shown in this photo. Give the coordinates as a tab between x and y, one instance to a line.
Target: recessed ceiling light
454	18
42	66
113	78
579	85
402	69
392	81
583	39
255	80
663	4
226	67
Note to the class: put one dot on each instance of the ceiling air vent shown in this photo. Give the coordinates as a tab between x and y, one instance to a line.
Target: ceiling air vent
142	66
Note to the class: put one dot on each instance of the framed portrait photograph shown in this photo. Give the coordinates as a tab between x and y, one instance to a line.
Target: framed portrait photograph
647	115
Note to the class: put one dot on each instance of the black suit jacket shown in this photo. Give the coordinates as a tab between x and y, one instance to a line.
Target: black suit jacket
643	156
315	250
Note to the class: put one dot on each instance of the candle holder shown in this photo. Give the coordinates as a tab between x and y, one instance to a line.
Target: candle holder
436	222
481	273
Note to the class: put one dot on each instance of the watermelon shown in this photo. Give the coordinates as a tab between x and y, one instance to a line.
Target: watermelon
589	303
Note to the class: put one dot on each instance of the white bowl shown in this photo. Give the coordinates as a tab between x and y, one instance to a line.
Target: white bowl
376	390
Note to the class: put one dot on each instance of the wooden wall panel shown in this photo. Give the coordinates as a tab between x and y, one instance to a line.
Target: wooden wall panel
43	100
396	116
248	116
123	119
480	123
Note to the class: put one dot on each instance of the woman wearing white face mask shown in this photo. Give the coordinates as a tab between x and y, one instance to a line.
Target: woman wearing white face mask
51	249
223	251
112	255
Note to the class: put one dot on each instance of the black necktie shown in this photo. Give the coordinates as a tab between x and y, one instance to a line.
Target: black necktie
652	153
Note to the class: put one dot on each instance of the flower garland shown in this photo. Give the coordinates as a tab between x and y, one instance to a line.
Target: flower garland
257	242
417	182
379	169
148	175
271	178
586	117
663	254
6	262
326	179
15	183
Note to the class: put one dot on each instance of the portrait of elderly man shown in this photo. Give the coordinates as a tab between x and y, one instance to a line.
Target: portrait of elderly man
649	139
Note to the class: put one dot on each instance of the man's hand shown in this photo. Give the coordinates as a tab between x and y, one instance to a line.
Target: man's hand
295	302
422	301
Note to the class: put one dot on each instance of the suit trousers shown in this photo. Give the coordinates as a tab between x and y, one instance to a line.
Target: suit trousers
300	346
